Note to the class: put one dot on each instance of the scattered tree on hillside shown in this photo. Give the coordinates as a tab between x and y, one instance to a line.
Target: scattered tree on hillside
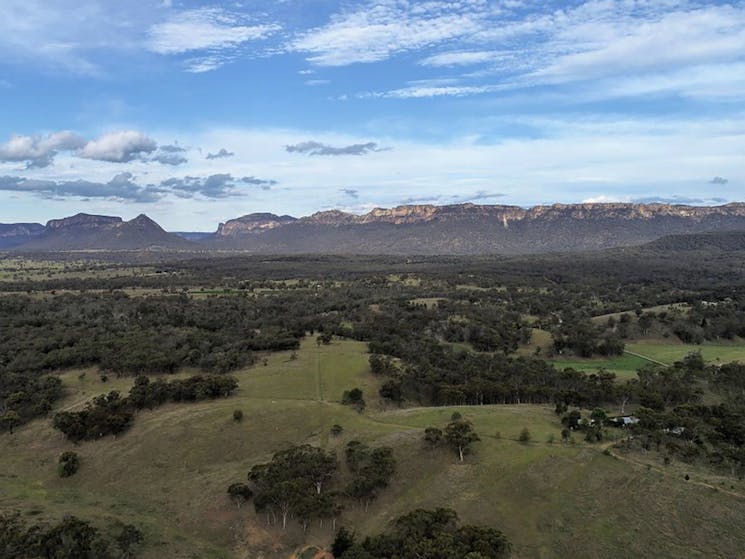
354	398
460	435
372	469
293	483
433	436
68	464
239	493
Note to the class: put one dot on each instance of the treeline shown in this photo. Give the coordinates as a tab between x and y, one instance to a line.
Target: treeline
70	538
112	414
425	534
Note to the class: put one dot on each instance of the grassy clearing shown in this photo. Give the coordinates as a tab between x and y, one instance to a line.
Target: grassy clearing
670	352
674	307
623	366
540	340
169	472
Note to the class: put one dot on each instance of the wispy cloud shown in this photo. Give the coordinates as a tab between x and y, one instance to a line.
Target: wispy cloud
317	148
719	180
380	29
213	31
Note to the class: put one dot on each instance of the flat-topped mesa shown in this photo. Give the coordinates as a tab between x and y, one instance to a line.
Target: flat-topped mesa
331	217
620	210
422	213
84	221
252	222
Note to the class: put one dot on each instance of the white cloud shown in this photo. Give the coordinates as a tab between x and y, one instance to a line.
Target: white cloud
422	91
118	147
386	27
38	151
204	29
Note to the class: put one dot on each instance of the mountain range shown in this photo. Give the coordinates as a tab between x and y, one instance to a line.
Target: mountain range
414	229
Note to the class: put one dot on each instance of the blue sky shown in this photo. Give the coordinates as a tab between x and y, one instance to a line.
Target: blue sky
196	112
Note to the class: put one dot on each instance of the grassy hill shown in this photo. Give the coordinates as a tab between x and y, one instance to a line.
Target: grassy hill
168	474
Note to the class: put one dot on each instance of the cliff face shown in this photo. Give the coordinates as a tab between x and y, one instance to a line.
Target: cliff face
475	229
84	221
252	222
14	234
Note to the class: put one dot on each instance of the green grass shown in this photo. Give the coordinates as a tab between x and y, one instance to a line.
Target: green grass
671	352
168	474
674	307
623	366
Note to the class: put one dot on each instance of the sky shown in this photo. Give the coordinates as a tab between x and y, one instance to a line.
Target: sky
197	112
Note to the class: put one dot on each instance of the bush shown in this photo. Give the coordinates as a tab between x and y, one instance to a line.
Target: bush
69	464
336	430
525	436
238	415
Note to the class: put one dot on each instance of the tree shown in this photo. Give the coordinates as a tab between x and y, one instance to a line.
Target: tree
343	541
68	464
392	390
293	482
354	398
431	534
128	540
240	493
11	420
460	435
433	436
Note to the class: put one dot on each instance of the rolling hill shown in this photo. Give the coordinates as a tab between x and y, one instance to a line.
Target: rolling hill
169	473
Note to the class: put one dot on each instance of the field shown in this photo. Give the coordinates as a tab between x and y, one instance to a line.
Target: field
639	354
169	472
623	366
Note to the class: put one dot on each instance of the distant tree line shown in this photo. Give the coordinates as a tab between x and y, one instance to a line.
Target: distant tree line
70	538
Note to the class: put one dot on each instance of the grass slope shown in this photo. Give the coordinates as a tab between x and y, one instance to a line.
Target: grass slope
169	473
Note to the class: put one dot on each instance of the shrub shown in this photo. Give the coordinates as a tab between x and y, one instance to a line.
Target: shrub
238	415
69	464
524	436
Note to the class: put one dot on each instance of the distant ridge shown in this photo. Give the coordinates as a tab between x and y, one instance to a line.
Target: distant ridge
96	232
473	229
14	234
416	229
